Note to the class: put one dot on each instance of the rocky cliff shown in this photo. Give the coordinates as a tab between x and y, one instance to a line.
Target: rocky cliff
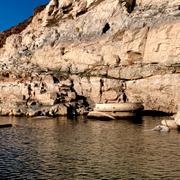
75	53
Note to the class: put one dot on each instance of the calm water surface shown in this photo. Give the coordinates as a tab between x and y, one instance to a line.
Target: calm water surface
76	149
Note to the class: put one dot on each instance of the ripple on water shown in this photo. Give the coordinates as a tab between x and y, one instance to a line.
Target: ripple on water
66	149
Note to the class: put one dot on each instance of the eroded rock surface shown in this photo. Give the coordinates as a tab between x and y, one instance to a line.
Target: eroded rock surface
75	53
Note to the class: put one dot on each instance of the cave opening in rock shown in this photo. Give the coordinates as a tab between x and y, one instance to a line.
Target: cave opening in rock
130	6
33	103
55	79
106	28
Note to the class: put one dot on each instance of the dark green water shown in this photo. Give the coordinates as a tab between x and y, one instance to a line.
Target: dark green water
75	149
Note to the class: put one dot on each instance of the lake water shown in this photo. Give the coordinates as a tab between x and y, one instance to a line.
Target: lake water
77	149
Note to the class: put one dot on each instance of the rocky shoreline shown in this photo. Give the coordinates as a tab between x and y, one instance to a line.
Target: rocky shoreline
73	54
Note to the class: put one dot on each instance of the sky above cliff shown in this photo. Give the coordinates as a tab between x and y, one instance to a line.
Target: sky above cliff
12	12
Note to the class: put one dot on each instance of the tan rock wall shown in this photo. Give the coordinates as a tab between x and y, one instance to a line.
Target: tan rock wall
94	51
159	92
163	44
157	2
133	45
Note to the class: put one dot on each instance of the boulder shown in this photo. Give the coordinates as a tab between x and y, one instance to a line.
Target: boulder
170	123
100	115
177	118
161	128
119	107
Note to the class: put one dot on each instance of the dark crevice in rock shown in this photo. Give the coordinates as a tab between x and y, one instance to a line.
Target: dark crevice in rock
101	88
56	80
5	74
57	4
29	90
29	94
59	99
36	85
67	9
62	50
81	13
38	113
106	28
124	97
71	111
33	103
24	97
43	89
82	100
130	6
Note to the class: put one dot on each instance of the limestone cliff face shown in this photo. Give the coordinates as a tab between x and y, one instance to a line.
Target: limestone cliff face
75	53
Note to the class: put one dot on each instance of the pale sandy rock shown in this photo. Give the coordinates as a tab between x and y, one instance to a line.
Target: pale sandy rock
77	84
65	3
61	110
66	83
79	7
72	95
84	87
94	22
177	117
80	56
169	123
27	40
101	115
48	58
163	44
109	84
157	2
11	91
48	80
13	42
110	95
159	92
140	71
174	3
97	89
51	12
44	98
111	53
95	84
114	72
57	9
91	2
133	45
35	98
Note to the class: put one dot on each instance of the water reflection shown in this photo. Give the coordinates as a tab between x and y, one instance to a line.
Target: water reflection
75	149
